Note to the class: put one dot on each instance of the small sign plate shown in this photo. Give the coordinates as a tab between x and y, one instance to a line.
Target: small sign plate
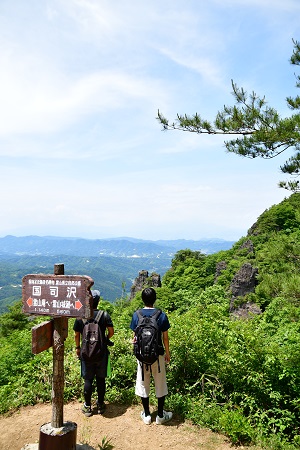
42	335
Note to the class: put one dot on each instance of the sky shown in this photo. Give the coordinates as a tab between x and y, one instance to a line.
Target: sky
81	81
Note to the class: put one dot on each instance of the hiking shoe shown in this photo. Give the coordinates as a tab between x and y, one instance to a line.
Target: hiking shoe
87	410
145	419
101	408
166	417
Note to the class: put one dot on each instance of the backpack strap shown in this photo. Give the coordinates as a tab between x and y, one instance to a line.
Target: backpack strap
142	369
156	314
139	313
98	316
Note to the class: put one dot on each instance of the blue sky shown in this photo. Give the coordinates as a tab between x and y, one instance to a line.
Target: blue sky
80	85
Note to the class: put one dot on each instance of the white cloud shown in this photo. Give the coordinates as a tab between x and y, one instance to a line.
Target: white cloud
80	88
38	99
209	70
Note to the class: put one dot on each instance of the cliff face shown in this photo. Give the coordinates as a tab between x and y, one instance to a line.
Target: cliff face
243	283
143	280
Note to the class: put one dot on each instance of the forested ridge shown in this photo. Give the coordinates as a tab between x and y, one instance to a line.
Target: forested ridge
112	263
235	374
113	276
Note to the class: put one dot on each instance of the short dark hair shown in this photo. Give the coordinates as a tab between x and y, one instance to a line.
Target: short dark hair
149	296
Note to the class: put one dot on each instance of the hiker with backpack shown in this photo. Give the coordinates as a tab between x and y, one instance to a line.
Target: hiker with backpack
93	353
151	348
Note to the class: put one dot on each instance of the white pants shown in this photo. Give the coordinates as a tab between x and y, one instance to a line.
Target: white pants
142	388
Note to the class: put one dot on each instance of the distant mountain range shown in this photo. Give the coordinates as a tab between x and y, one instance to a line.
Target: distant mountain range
118	247
111	263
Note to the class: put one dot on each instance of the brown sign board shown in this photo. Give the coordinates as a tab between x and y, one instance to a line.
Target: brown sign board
57	295
42	335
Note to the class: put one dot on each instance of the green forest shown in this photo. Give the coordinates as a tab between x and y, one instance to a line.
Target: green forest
110	274
235	342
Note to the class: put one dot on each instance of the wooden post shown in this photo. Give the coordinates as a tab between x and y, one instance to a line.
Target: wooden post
58	364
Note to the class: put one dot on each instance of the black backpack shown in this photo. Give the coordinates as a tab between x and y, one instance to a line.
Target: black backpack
148	346
92	346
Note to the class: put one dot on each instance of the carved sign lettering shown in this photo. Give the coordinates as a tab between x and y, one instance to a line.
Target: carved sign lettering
57	295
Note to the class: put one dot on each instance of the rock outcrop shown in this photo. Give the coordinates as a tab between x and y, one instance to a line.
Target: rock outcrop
243	283
248	244
144	280
244	280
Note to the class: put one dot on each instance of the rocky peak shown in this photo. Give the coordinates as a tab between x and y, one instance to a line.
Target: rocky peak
143	280
243	283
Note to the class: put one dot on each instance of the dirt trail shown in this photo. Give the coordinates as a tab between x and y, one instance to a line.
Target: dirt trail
122	425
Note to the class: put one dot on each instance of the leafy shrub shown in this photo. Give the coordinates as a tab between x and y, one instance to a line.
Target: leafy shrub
236	426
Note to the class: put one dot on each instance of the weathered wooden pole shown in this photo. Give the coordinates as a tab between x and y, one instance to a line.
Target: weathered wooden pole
59	324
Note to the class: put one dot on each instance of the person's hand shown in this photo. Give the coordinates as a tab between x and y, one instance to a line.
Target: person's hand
167	357
78	352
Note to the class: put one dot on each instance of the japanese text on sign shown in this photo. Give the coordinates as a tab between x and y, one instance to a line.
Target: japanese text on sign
57	295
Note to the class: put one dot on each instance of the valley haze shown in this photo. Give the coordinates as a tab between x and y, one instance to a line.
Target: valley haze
117	247
113	264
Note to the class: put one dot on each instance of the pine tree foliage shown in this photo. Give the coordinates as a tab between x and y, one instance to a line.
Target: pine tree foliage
257	129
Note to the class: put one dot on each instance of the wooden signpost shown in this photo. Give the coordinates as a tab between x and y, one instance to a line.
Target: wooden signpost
59	296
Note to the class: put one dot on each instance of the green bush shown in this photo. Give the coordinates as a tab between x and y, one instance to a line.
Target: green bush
236	426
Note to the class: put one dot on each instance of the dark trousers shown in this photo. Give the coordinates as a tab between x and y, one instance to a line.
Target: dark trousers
88	390
91	371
